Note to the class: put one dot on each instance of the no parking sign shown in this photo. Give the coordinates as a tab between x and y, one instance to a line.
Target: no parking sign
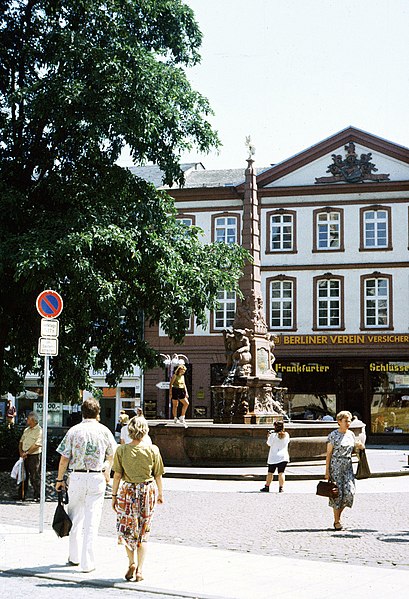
49	304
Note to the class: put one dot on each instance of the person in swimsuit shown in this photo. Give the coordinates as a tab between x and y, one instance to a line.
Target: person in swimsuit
178	393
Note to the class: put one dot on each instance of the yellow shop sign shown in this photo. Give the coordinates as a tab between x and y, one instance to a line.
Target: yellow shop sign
298	368
340	339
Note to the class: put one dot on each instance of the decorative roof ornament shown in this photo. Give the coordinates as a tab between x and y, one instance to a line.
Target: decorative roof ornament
352	169
250	147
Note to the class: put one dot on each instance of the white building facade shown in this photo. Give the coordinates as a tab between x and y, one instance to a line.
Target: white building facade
334	237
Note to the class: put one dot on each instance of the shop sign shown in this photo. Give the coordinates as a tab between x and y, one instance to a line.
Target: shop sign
52	407
297	368
340	339
389	367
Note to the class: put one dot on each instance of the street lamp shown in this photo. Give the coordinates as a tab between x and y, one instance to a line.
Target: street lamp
171	363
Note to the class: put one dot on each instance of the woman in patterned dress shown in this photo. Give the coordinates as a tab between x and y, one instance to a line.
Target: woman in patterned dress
139	466
341	444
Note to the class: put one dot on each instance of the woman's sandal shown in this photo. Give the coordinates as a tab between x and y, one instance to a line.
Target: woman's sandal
138	577
131	573
338	526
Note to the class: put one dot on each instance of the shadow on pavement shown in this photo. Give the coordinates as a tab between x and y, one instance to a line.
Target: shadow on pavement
56	570
39	582
307	530
395	538
363	530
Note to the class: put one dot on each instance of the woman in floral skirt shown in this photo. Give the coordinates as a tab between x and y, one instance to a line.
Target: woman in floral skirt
139	466
341	444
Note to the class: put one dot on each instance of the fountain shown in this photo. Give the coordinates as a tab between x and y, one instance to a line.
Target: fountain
250	397
250	393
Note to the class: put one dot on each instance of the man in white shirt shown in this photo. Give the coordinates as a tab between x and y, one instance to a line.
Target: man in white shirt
87	450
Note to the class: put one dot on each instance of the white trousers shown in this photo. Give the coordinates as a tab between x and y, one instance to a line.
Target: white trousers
86	499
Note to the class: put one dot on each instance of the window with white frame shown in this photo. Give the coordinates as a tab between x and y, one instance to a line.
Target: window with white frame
376	299
329	303
281	304
376	229
328	231
186	221
281	232
226	310
225	229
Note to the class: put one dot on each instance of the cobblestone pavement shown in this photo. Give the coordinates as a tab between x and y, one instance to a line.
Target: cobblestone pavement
290	524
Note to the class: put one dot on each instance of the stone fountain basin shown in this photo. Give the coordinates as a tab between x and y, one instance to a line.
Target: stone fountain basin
208	444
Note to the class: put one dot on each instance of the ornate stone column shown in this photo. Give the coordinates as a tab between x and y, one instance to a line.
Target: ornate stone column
249	345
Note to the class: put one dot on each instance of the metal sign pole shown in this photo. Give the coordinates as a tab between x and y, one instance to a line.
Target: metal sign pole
49	305
44	448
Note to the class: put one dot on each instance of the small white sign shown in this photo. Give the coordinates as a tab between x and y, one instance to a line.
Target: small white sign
48	346
50	328
52	407
163	385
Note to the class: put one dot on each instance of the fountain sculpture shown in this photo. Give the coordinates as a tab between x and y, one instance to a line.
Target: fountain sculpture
250	393
250	398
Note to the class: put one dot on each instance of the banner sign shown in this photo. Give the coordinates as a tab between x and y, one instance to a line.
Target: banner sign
340	339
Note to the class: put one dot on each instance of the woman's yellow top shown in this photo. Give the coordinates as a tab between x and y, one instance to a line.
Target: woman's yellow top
138	463
178	381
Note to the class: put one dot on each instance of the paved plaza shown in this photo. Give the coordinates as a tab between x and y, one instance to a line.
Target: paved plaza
222	538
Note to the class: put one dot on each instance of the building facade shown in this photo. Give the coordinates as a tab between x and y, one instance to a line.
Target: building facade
334	236
126	396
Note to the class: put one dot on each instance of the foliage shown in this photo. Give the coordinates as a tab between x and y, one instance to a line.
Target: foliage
78	80
9	440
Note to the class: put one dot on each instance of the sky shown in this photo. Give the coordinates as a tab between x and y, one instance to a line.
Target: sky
291	73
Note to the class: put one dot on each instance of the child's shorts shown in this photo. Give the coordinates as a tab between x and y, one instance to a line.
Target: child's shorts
280	467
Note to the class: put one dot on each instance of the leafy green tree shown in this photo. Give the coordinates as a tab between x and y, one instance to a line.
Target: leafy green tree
79	79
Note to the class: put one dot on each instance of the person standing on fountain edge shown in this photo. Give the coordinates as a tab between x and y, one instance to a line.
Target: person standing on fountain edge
278	456
178	393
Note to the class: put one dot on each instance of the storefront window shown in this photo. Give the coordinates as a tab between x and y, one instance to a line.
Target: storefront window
311	389
129	398
390	397
54	413
310	406
31	399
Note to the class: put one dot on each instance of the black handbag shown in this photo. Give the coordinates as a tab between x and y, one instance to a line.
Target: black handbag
363	470
62	522
327	488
